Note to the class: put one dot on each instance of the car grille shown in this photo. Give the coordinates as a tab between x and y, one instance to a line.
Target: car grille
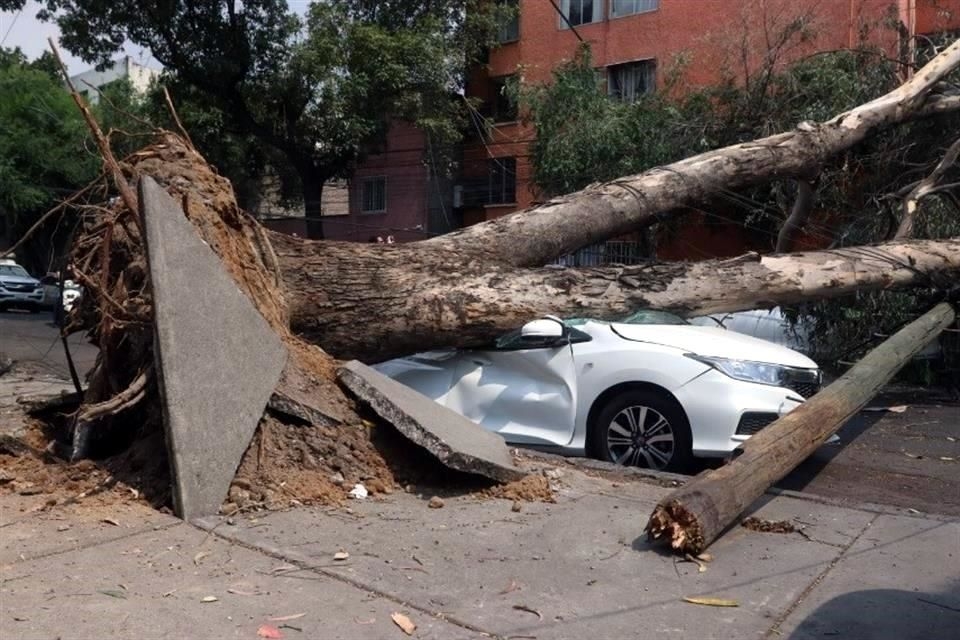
806	382
751	423
20	287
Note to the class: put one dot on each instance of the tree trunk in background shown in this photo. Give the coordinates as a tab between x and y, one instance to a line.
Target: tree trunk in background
312	182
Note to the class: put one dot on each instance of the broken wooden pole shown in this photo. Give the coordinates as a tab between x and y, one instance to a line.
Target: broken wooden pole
696	514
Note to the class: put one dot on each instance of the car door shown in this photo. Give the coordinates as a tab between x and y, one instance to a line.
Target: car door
524	388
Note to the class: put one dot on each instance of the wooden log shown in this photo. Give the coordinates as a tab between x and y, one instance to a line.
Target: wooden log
696	514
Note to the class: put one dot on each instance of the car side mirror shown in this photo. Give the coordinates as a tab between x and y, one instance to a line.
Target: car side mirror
543	330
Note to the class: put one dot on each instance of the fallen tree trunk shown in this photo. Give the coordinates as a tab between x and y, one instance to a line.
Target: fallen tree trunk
374	305
696	514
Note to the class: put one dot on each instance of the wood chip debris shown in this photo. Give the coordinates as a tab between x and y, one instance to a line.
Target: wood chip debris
405	623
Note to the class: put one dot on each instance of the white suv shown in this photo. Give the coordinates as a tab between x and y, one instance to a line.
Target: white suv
18	288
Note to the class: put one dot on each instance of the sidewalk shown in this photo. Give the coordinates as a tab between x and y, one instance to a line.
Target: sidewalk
579	568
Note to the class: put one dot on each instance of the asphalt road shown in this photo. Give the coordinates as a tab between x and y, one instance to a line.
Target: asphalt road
909	459
32	338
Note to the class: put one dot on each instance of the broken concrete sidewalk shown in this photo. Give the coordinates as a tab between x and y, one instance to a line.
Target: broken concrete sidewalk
457	442
217	358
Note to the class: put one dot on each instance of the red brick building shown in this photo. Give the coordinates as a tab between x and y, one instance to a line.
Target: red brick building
633	42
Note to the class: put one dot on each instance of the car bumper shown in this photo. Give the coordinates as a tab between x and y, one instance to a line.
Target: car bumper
716	405
18	297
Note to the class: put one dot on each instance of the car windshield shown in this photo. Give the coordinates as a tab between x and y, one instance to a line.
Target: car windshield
13	270
652	316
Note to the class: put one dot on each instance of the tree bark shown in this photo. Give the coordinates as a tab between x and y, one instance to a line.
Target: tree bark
696	514
374	302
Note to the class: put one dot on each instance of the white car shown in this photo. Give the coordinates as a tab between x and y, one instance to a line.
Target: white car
650	391
18	288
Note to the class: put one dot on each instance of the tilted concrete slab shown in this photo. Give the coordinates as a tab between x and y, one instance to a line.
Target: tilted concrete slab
454	440
217	359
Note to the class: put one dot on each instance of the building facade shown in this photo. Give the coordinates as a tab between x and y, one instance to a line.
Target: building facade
140	76
634	44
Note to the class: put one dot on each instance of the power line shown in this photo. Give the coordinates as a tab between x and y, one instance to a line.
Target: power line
566	20
10	28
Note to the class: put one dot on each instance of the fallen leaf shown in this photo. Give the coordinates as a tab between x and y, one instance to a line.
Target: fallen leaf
912	510
947	458
292	616
523	607
114	593
405	623
912	455
341	555
110	521
951	439
711	602
169	593
266	631
900	408
209	599
200	556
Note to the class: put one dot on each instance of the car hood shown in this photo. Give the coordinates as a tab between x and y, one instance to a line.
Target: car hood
714	342
19	280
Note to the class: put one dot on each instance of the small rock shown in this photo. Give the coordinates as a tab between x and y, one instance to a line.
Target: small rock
29	489
436	502
516	506
359	492
6	477
63	527
338	479
238	496
553	474
341	555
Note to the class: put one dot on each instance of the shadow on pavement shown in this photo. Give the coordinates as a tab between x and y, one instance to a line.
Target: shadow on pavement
881	614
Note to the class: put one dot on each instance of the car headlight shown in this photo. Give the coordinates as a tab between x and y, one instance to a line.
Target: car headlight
746	370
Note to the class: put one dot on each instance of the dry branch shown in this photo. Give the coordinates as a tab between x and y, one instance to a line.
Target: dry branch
802	207
928	186
693	516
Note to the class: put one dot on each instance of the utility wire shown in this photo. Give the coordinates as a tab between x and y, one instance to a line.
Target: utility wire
566	20
10	28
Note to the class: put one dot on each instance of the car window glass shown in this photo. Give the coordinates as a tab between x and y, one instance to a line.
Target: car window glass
13	270
653	316
515	341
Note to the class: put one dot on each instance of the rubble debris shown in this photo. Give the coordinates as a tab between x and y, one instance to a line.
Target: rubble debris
405	623
457	442
436	502
711	602
767	526
202	341
359	492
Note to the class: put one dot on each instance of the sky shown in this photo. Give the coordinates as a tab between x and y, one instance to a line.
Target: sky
28	33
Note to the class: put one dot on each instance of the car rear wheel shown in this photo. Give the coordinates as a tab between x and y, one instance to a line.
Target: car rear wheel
642	428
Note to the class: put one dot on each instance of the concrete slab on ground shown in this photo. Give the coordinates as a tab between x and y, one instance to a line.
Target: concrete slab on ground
218	360
181	582
457	442
582	563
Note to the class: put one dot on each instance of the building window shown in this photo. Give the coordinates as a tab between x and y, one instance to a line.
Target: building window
580	12
502	185
509	30
373	195
627	82
620	8
502	106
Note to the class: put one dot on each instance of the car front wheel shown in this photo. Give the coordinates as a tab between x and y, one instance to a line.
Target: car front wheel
643	429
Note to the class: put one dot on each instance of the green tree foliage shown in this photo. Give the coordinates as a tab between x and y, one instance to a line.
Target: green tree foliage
44	150
320	90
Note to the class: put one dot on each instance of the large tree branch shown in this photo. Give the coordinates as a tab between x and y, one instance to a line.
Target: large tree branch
929	185
536	236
